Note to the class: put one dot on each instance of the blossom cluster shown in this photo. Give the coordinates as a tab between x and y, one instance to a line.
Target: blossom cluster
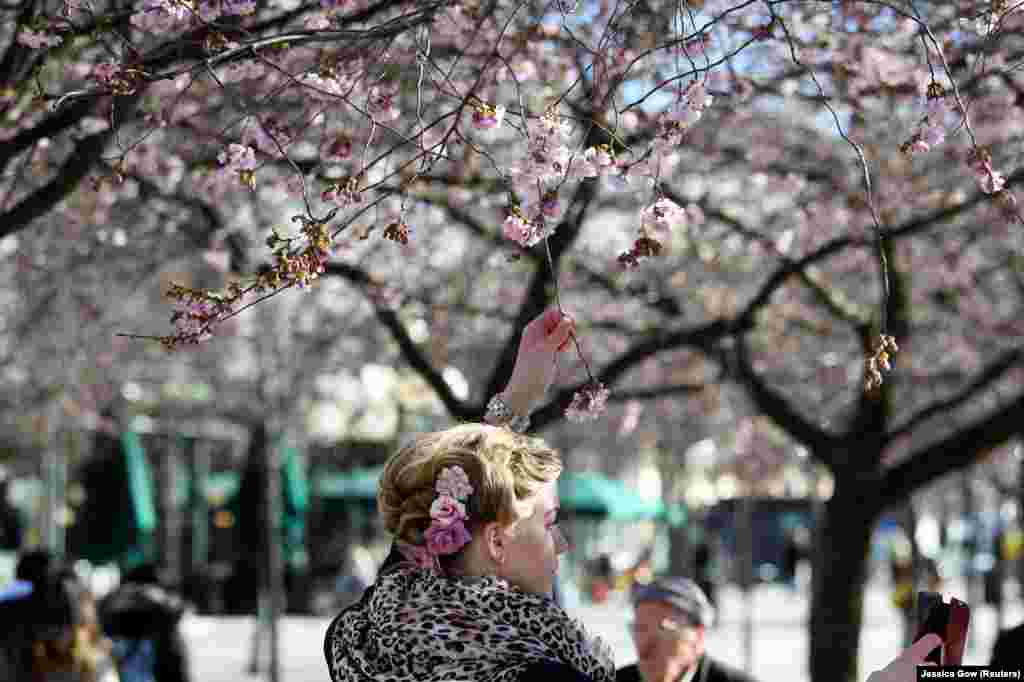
160	16
346	191
885	348
931	131
486	116
588	403
535	179
38	39
657	223
548	163
199	312
673	123
239	160
980	163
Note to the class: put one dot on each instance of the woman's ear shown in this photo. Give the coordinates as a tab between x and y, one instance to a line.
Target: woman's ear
494	542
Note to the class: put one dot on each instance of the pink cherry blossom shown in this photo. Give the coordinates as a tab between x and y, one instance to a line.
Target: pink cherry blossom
238	157
588	403
486	117
317	22
662	216
37	39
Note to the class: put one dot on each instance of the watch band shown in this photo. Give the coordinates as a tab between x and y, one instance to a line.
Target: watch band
500	414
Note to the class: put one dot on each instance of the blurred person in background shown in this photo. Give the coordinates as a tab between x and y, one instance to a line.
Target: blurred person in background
14	636
1008	651
671	616
90	632
143	619
35	565
703	563
48	634
10	523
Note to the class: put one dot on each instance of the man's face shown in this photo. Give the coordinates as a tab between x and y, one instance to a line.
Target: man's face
666	645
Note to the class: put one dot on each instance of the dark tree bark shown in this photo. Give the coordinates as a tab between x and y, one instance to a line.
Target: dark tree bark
839	576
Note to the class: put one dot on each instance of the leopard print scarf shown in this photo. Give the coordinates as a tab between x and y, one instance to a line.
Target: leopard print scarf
417	626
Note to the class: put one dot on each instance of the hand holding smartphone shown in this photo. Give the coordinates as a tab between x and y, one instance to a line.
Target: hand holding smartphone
949	620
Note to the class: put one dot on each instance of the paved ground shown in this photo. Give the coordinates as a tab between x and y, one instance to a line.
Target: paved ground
221	646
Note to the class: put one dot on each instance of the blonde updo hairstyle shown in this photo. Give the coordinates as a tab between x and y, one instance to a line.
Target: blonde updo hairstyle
506	470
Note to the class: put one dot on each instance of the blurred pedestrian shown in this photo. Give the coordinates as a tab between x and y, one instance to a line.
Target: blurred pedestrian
49	637
143	618
1008	651
10	523
90	633
14	636
671	617
35	565
703	563
790	559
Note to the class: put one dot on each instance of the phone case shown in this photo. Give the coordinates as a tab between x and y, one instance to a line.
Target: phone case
948	620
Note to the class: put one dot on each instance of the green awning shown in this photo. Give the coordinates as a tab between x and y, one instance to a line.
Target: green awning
356	484
221	487
295	488
593	493
118	522
27	495
140	483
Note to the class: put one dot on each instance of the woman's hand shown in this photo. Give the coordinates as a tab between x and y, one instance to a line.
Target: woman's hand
904	667
537	360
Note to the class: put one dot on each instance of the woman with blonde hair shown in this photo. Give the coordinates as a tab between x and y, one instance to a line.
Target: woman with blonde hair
465	594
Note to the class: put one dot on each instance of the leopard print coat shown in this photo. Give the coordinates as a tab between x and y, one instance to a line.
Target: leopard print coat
417	626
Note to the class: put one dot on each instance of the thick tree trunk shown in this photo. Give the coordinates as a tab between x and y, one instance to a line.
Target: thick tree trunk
680	556
172	522
839	577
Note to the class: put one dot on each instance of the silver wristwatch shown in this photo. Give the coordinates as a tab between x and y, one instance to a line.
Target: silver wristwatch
500	414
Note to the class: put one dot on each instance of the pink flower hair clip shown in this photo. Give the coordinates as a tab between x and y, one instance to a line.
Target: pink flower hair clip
447	533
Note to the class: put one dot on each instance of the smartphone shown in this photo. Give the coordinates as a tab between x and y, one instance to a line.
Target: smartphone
949	620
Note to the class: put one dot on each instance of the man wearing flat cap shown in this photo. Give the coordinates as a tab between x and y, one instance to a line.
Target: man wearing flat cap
670	616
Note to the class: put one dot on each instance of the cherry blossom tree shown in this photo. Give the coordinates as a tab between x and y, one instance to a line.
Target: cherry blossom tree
813	202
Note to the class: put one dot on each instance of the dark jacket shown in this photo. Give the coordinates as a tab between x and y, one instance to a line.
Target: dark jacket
1008	651
708	670
137	612
15	640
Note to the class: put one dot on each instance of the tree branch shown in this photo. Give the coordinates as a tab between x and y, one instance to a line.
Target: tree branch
50	127
958	451
911	227
661	391
778	409
702	338
991	374
412	354
537	297
64	182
